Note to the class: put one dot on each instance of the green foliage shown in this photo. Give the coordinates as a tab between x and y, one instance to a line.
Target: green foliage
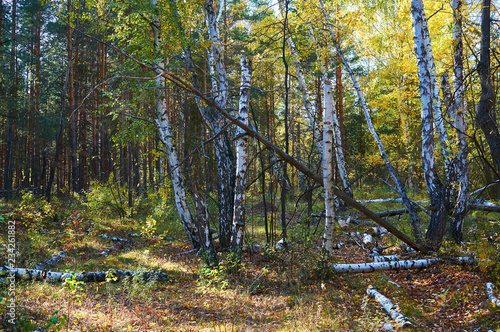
34	212
56	321
106	200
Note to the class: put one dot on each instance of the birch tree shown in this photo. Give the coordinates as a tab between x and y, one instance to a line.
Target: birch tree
328	166
310	105
223	152
429	103
166	136
459	120
337	129
415	220
241	157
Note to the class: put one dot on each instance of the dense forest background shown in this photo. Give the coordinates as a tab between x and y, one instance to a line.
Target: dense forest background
77	112
261	137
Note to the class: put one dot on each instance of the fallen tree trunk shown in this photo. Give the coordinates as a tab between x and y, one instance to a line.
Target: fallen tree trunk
389	307
384	266
50	262
397	265
52	276
491	294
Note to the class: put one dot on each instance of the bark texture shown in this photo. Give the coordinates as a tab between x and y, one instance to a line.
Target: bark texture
328	167
392	309
435	188
241	157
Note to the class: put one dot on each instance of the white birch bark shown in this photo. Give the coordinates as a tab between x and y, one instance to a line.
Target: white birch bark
328	166
392	309
399	185
491	294
219	75
98	276
205	234
437	225
166	136
384	266
223	152
241	157
460	123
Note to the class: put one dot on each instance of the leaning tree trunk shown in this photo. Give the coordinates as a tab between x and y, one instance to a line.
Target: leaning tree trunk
241	157
484	108
435	190
415	220
166	136
328	181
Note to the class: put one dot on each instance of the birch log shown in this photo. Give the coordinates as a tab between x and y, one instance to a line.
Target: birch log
241	157
53	276
389	307
384	266
415	220
491	294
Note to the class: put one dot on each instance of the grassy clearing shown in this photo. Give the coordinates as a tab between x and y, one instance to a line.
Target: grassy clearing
267	290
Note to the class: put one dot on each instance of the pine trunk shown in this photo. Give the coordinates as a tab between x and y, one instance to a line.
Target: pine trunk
486	104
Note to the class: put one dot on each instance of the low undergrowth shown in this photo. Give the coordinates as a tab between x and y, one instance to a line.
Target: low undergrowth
259	289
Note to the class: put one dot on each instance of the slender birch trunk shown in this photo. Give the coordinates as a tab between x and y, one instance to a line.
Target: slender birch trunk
337	129
435	190
166	136
308	100
328	181
460	122
415	220
241	157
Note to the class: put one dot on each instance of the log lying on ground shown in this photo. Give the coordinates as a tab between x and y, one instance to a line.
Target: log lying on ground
50	262
491	294
398	265
384	266
389	307
118	241
52	276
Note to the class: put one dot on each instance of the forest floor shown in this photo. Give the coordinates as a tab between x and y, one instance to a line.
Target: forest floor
268	290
